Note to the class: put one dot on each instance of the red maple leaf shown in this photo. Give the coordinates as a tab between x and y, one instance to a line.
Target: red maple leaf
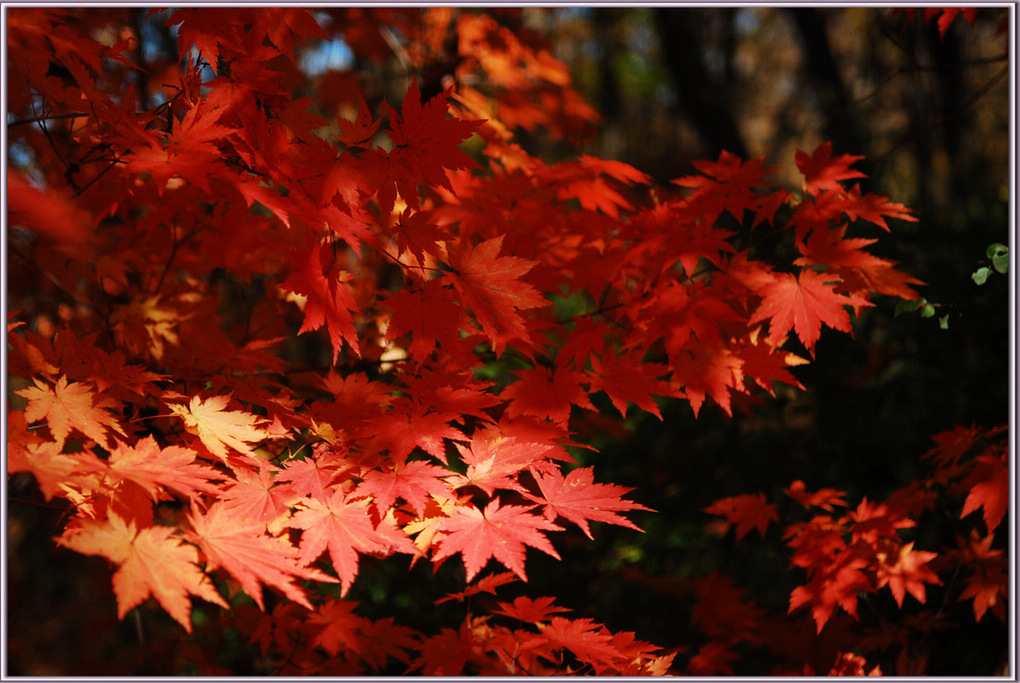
359	132
151	561
713	659
989	489
988	587
626	379
822	172
313	476
874	208
746	512
413	481
382	639
429	313
445	653
528	610
707	369
849	664
491	286
204	28
328	301
946	16
576	497
336	626
766	365
190	152
545	392
343	527
727	185
425	147
823	498
407	427
875	521
838	584
494	462
500	533
487	584
803	303
721	611
419	234
882	278
589	641
831	248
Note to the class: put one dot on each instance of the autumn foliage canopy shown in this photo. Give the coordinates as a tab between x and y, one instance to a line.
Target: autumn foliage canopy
256	318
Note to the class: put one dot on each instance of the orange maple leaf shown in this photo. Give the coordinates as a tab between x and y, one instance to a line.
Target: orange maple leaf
151	561
241	546
907	574
263	495
71	406
152	468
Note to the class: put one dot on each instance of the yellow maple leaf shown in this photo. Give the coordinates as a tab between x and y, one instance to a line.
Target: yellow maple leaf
219	428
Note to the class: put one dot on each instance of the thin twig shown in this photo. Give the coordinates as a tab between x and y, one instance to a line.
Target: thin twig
39	120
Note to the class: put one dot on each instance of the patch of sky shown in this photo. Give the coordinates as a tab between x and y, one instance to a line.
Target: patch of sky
19	153
746	21
334	55
577	12
149	38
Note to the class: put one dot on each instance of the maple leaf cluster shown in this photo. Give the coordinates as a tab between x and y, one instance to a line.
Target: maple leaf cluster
846	555
274	315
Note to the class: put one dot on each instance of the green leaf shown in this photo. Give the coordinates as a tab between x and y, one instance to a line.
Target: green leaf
1001	260
996	249
981	275
928	311
908	306
944	322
